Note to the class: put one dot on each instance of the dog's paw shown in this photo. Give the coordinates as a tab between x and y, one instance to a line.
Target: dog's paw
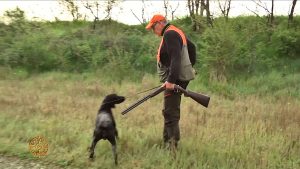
91	158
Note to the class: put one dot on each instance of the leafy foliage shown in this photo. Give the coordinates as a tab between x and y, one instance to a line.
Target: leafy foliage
238	46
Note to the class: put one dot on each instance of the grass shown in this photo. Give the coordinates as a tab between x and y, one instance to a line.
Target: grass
245	131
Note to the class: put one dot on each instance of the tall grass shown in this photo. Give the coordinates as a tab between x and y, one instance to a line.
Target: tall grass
244	131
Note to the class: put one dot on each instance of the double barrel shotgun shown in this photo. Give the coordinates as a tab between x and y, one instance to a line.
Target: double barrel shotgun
200	98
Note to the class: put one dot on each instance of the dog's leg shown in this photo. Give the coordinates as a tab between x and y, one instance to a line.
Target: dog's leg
114	149
93	145
117	135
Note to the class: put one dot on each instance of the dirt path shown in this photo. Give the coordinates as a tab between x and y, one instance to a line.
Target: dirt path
16	163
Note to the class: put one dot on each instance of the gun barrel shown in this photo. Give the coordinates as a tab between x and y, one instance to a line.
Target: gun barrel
156	92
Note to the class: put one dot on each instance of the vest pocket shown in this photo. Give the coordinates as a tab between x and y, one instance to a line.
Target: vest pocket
162	71
187	72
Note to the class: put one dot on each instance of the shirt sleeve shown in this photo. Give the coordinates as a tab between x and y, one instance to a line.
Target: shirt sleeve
173	43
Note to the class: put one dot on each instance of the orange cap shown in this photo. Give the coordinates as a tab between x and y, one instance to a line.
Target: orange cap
154	19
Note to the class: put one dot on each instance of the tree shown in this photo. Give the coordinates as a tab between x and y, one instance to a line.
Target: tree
143	12
94	10
166	4
143	21
173	10
225	8
170	8
194	6
95	7
17	19
291	14
270	14
72	8
15	15
108	8
202	7
208	15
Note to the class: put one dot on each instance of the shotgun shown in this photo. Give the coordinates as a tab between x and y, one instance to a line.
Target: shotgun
200	98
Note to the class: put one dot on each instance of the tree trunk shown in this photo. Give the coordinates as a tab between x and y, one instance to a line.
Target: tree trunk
166	7
291	15
192	14
197	4
202	2
173	10
228	9
94	9
72	8
208	17
225	8
194	7
272	13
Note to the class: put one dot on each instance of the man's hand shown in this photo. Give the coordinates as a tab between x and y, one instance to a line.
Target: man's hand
168	85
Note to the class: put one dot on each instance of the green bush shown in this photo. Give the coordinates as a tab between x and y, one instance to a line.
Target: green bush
286	43
219	50
79	55
238	47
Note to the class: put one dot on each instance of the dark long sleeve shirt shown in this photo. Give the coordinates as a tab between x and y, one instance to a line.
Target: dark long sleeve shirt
170	53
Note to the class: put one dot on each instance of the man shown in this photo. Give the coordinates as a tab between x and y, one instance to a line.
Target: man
174	68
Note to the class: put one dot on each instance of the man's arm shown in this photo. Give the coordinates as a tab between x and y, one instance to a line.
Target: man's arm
173	44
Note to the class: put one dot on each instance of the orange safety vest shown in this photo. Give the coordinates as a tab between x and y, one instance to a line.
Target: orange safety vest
171	27
187	72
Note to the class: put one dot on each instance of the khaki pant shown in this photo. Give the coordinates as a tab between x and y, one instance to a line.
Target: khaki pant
171	113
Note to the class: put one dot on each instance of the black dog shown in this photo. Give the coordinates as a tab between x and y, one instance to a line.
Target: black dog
106	125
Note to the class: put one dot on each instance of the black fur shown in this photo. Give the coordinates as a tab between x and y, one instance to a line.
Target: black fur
105	124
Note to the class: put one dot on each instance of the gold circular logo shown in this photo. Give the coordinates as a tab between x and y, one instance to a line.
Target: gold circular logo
38	146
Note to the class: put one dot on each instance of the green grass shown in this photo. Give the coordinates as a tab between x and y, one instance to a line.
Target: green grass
247	130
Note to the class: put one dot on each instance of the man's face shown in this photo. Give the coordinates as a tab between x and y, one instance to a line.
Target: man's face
157	28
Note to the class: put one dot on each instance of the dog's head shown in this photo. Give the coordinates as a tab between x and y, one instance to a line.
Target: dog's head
112	99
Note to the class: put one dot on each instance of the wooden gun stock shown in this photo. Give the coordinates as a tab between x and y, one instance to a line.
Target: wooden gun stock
200	98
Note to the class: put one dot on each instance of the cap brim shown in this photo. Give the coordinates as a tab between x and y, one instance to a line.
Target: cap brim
149	25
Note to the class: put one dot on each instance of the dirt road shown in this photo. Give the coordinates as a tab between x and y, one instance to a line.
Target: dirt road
17	163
